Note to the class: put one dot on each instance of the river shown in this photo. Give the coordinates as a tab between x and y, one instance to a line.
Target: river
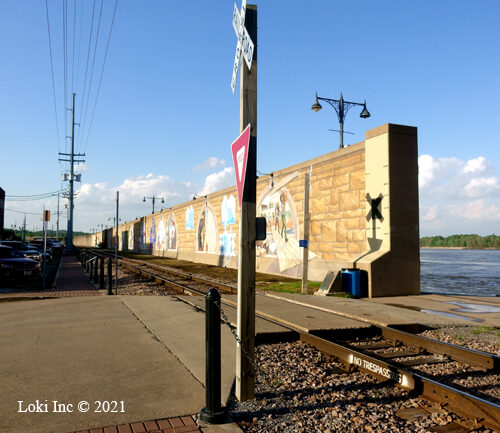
460	272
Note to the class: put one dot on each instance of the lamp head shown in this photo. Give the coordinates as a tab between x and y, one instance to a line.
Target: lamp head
144	199
365	113
163	201
316	106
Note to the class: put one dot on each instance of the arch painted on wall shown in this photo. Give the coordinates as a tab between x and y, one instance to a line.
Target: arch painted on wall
171	241
207	239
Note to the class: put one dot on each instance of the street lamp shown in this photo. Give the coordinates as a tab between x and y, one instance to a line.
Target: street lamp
153	199
341	107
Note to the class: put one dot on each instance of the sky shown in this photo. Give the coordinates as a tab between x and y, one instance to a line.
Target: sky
156	116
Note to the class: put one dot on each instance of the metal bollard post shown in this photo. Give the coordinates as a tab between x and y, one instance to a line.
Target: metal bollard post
213	412
110	277
101	274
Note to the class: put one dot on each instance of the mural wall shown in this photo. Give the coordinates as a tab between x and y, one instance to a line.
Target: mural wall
206	229
227	240
206	234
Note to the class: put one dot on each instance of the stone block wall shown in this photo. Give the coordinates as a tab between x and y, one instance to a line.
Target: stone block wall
341	233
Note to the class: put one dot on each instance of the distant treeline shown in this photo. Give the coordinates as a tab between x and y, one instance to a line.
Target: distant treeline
461	241
18	234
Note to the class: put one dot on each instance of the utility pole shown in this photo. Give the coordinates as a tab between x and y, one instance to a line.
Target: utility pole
116	245
57	223
245	370
305	251
24	228
71	160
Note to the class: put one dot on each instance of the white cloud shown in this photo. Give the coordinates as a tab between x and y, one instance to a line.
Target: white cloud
212	162
482	187
433	172
476	165
217	181
475	210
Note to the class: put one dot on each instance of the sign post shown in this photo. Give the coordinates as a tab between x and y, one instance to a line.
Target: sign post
46	219
305	244
245	25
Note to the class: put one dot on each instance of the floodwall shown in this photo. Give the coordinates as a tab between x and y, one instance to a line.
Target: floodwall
363	203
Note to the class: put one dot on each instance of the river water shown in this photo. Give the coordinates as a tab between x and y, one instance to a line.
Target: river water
460	272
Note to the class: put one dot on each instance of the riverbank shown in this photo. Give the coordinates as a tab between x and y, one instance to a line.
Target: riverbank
459	248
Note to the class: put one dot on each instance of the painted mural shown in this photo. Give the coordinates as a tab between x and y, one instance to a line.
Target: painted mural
142	236
131	238
171	242
282	243
189	218
152	235
227	238
207	238
161	235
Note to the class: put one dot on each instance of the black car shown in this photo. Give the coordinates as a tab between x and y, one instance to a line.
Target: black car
15	267
28	251
39	245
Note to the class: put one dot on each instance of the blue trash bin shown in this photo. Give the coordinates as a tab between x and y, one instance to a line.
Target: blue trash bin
351	282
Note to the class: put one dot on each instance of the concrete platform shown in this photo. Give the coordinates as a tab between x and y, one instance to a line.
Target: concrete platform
87	349
480	310
377	311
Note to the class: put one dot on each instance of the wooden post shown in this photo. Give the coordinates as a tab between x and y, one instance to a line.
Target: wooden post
245	371
305	250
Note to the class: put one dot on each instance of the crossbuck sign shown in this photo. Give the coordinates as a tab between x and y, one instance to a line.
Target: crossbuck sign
244	44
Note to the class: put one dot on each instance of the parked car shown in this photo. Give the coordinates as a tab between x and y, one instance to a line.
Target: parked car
28	252
15	267
38	244
57	247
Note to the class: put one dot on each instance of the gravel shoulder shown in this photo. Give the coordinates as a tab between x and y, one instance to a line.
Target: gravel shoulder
300	390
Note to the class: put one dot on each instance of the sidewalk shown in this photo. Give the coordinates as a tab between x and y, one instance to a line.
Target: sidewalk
83	348
70	280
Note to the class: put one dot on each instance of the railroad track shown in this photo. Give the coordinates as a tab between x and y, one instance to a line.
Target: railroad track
410	361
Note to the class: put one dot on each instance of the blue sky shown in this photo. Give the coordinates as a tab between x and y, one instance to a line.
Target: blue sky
165	115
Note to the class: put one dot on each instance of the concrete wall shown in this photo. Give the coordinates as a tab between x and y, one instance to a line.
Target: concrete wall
345	231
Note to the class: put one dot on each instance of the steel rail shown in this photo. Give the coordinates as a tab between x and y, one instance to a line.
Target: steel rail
479	410
470	406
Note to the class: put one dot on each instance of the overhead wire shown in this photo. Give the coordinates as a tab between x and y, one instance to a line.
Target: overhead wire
52	73
64	40
86	70
87	101
73	50
102	73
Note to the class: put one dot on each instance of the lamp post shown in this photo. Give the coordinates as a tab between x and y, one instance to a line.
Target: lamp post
341	108
153	199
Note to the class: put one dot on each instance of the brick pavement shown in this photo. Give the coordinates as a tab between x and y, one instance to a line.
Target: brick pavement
70	281
183	424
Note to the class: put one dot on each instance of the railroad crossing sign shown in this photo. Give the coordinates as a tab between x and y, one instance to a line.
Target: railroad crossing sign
239	149
244	44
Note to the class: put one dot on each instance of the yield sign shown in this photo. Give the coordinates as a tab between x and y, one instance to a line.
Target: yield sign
239	149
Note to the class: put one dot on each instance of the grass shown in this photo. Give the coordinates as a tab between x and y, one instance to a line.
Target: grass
486	330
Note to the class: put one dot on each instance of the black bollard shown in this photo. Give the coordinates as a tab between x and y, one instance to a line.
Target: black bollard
110	277
213	412
101	274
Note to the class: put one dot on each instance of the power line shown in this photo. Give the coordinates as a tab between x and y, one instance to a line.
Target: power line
52	71
87	67
65	52
26	213
87	102
33	196
73	51
102	73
